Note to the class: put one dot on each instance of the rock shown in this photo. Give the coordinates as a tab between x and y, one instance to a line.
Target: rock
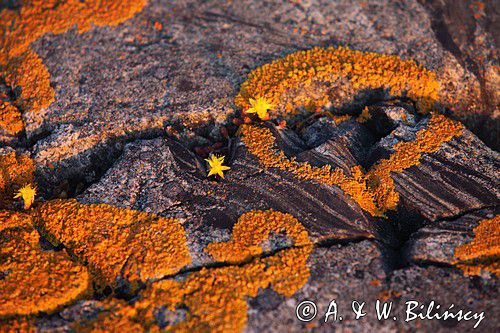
104	105
459	177
62	322
439	284
386	117
344	145
437	242
74	155
149	84
170	183
342	273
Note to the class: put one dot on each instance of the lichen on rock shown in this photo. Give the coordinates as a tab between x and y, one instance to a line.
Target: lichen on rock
22	67
115	242
34	280
302	79
215	299
16	171
374	191
483	253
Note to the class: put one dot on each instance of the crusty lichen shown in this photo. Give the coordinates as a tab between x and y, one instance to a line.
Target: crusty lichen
261	143
216	298
252	229
33	280
116	242
483	253
11	123
373	191
16	170
17	325
22	67
286	83
407	154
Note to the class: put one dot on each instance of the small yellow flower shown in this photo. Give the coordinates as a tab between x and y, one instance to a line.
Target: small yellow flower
27	193
215	165
260	106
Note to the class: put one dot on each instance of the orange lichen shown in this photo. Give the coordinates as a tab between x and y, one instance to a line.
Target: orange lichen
407	154
11	123
216	298
364	116
11	220
252	229
288	84
302	78
483	253
373	191
16	171
340	119
261	143
17	325
116	242
22	67
34	281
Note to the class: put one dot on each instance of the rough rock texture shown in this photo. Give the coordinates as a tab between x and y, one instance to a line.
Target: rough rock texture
361	272
118	104
437	242
161	176
129	82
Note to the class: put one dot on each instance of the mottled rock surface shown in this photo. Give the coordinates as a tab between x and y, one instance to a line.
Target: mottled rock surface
126	82
141	99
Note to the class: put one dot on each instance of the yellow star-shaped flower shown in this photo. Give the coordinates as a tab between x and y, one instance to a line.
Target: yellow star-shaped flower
260	106
215	166
27	193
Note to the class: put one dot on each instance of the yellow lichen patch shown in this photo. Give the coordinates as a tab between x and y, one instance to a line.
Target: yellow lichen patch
318	67
216	298
22	67
11	123
252	229
407	154
116	242
33	280
16	171
483	253
374	191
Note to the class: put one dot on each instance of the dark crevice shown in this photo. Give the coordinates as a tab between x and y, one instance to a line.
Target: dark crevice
104	158
10	4
465	212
